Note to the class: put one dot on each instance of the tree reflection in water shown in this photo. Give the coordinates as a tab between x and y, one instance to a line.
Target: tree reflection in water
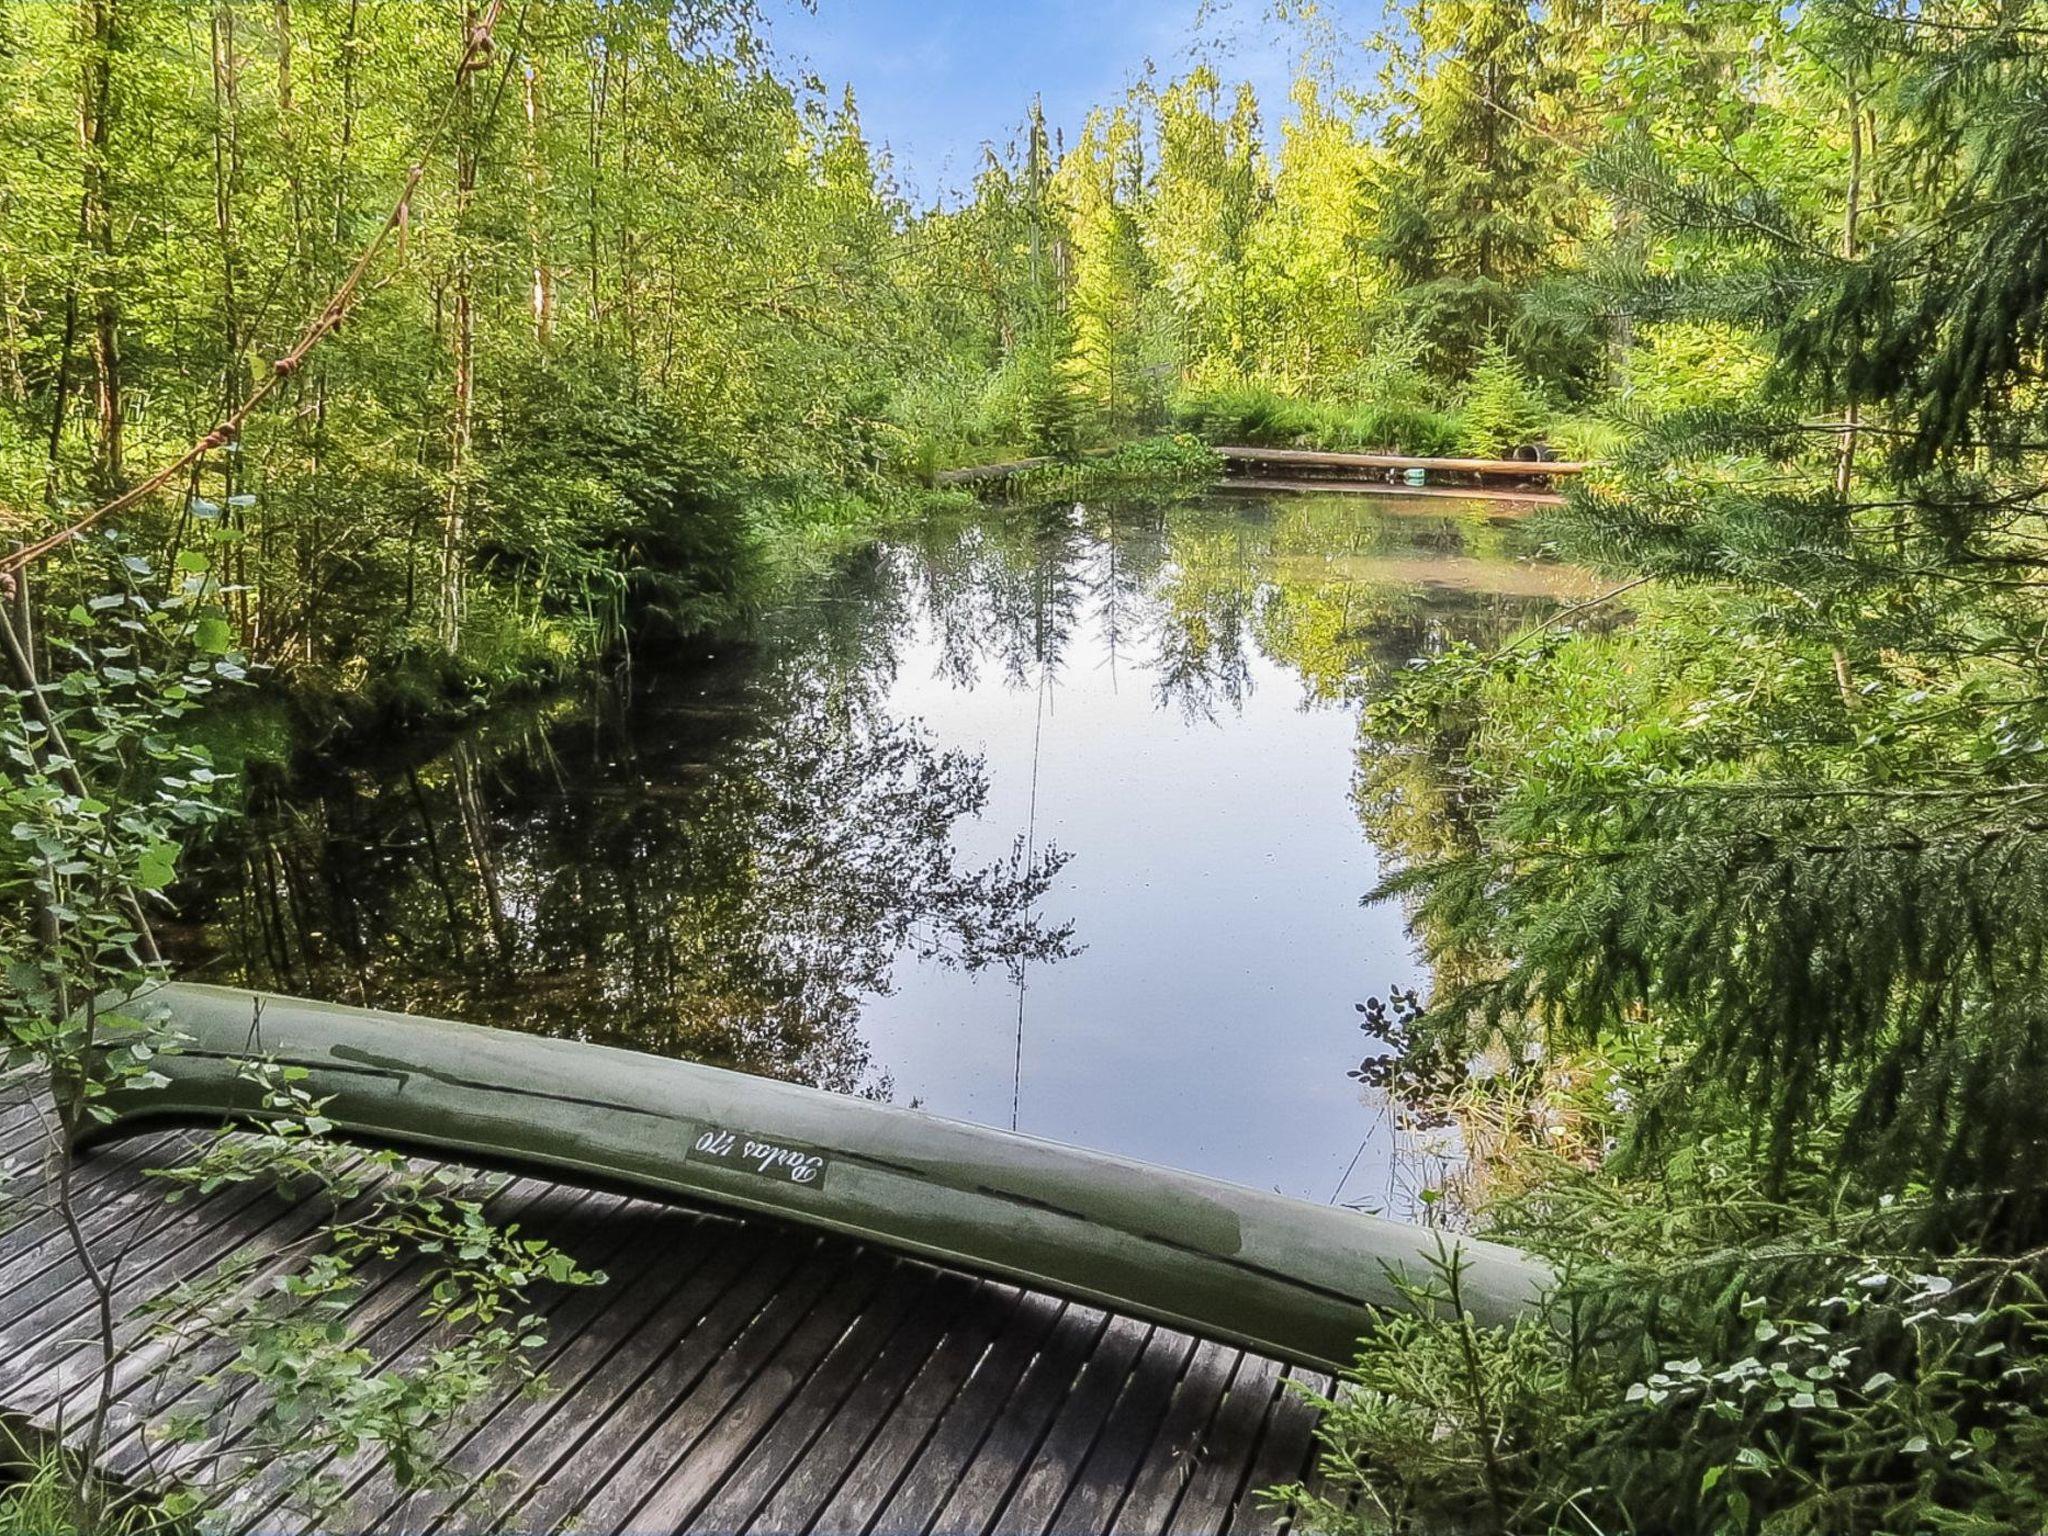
729	858
723	878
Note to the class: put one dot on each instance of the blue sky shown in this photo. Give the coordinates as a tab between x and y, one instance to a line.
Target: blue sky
938	78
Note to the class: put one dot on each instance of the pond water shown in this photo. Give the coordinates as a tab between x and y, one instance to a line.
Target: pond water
1058	818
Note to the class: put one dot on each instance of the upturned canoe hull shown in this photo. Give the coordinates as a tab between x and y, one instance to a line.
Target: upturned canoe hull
1284	1277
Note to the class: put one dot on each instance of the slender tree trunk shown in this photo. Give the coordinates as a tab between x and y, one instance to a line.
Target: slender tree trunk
347	137
1845	453
95	112
60	390
234	380
599	103
629	329
283	13
536	240
294	630
463	341
314	547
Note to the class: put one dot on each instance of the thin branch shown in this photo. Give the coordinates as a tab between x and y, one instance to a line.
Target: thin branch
478	45
1565	613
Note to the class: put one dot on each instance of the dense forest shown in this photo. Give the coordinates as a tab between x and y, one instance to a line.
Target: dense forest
542	331
646	312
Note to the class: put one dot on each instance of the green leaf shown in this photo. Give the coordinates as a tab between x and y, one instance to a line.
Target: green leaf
157	867
213	635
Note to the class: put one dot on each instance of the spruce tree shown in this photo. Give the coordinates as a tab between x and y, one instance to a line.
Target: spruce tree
1827	881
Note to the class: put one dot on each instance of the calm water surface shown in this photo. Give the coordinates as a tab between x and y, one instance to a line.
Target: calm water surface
1058	818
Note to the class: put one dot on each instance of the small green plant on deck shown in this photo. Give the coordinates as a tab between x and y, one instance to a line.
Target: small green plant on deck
1442	1425
37	1498
306	1397
99	800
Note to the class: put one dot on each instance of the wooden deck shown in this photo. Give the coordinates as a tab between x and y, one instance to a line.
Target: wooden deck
730	1376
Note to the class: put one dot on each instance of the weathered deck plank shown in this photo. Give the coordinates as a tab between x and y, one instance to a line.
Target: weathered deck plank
1177	1449
730	1376
1212	1491
919	1449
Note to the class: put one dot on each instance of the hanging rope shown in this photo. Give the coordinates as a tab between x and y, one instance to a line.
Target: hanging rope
476	50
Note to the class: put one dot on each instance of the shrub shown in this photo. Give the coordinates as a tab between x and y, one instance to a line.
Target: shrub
1245	413
605	505
1503	409
1179	459
1257	416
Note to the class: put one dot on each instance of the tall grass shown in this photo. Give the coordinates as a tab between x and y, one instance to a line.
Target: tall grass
38	1497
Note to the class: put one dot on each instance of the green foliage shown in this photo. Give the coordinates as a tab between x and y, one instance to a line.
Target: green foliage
1108	357
1443	1425
1777	848
1049	409
608	510
950	413
99	798
1809	855
618	319
1748	846
1202	214
1472	195
1502	411
1156	462
1314	290
36	1499
1256	416
1816	1377
319	1393
1777	844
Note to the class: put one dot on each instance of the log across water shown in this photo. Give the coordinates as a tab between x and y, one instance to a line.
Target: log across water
1309	460
1290	1279
1302	458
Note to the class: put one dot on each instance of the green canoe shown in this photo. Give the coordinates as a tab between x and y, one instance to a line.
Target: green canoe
1280	1276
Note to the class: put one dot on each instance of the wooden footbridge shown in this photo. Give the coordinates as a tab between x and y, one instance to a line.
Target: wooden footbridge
822	1314
1529	480
732	1375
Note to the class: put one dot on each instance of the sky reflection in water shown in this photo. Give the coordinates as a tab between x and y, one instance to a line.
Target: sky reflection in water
1098	762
